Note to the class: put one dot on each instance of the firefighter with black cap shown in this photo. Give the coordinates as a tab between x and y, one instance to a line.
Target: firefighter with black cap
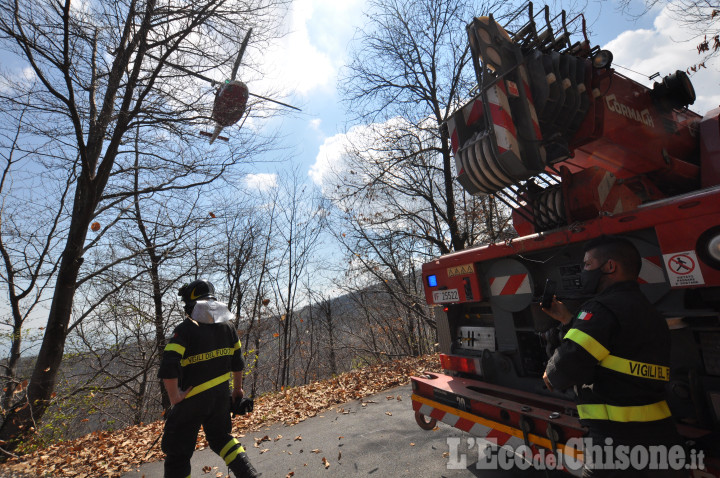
203	354
617	356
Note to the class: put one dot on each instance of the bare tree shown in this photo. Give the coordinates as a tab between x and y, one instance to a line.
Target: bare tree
244	249
407	75
116	359
29	235
102	69
300	222
375	327
329	322
259	304
241	228
395	185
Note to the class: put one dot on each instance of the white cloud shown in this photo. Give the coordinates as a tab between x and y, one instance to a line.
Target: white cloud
28	73
80	6
261	181
17	75
308	58
331	154
315	124
329	157
664	49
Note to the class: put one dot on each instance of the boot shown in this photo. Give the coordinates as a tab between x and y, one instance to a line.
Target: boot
242	468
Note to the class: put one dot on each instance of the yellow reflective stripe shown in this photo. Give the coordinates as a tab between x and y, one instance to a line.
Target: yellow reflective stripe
237	345
592	346
175	348
637	413
227	447
209	384
207	356
636	369
234	454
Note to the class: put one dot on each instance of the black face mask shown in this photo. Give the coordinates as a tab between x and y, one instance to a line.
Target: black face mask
590	279
189	308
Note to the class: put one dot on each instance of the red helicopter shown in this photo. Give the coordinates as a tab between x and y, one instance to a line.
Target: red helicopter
230	98
230	102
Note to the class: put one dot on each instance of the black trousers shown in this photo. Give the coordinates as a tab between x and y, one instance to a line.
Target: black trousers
211	409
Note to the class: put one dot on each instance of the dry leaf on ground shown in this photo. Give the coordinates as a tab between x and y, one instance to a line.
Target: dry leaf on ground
114	453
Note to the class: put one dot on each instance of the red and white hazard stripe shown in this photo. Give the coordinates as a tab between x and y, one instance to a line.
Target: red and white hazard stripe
454	139
530	103
603	190
510	285
652	271
493	432
467	425
472	112
505	132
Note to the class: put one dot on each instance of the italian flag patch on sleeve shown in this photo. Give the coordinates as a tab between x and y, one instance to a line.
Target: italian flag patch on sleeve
584	315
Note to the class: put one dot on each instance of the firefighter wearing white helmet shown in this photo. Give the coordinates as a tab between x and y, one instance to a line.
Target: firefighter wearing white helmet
202	355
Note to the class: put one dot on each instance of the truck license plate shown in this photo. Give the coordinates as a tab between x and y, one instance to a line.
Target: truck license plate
449	295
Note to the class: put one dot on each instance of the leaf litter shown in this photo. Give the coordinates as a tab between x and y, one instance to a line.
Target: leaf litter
114	453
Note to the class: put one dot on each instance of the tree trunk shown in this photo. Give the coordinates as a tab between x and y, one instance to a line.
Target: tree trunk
140	398
456	238
11	367
160	339
331	337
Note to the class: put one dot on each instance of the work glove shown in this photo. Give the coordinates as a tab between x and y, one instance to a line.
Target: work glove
241	406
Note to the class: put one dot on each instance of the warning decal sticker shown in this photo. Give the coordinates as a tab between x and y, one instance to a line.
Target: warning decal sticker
683	269
460	270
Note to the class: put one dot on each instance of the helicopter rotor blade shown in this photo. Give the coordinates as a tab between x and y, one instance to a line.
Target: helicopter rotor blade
275	101
243	46
215	82
185	70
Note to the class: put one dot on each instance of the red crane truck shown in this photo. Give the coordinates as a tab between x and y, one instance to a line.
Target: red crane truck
575	150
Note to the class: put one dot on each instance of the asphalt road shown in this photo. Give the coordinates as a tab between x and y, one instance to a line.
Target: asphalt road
378	439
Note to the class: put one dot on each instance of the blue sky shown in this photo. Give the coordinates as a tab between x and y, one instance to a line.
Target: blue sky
303	67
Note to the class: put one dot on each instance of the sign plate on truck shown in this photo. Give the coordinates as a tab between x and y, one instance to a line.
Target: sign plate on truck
460	270
448	295
683	269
